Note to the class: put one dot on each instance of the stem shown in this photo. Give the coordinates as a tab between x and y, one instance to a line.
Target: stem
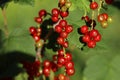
93	14
5	22
101	1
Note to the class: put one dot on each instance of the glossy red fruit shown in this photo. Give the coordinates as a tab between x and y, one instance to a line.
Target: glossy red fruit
54	67
64	14
97	38
68	28
42	12
46	71
61	60
37	63
55	18
101	18
91	44
60	40
69	65
109	1
32	30
62	2
68	56
38	20
47	63
84	29
65	44
55	11
93	33
64	34
61	77
54	57
105	15
58	28
93	5
70	71
63	23
60	52
36	38
86	38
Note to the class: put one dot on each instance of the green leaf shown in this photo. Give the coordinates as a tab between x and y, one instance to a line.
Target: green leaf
100	67
29	2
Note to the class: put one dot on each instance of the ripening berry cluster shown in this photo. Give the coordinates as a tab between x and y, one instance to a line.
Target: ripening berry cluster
63	29
32	69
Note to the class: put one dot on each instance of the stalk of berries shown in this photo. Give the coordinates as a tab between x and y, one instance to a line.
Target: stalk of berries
90	35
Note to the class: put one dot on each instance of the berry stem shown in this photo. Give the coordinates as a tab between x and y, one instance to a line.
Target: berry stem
100	6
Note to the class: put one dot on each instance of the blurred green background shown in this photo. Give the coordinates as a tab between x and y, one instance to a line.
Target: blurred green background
100	63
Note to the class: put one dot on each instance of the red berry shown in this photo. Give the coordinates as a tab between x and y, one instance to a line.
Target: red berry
101	18
46	71
58	28
86	18
62	2
36	38
39	30
105	16
38	20
42	12
69	65
32	30
61	77
61	60
47	63
91	44
36	63
97	38
65	44
93	33
86	38
68	56
109	1
68	28
63	23
55	12
55	18
93	5
70	71
64	14
60	52
84	29
54	57
60	40
64	34
54	66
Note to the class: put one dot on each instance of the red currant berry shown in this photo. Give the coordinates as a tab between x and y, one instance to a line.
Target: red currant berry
62	2
38	20
86	18
101	18
39	30
47	63
54	66
70	71
69	65
65	44
36	38
63	23
42	12
97	38
84	29
36	63
60	52
46	71
58	28
61	77
109	1
91	44
93	33
32	30
55	18
105	16
64	34
55	12
60	40
86	38
61	60
93	5
68	28
68	56
64	14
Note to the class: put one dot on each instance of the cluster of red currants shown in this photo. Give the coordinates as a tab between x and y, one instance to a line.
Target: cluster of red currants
63	29
90	37
32	69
